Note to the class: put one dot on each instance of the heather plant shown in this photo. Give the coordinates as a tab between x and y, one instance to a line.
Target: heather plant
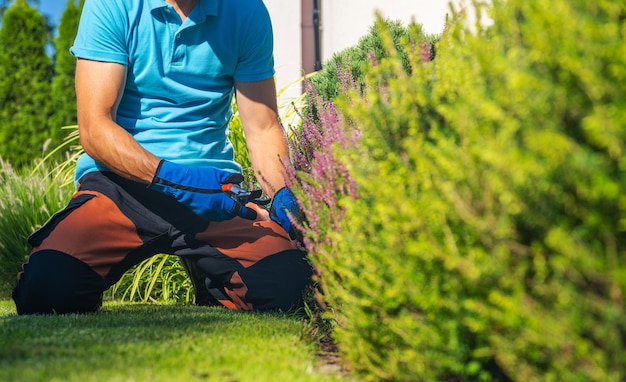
316	177
486	241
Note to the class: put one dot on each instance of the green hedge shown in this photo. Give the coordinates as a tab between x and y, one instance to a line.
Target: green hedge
487	241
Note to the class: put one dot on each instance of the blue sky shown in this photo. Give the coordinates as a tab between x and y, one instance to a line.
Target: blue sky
52	8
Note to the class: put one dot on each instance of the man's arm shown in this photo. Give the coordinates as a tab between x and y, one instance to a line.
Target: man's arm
267	143
99	88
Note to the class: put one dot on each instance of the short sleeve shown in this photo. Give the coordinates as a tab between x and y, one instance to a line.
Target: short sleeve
102	32
256	58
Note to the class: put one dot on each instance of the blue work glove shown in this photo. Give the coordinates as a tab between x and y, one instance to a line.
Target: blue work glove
284	204
199	188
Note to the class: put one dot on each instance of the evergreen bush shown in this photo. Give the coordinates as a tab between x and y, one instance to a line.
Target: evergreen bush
487	238
63	95
351	63
25	73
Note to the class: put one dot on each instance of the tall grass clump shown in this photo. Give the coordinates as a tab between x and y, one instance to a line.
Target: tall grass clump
160	278
486	238
27	200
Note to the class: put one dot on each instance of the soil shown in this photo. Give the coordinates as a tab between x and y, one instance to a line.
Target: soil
329	359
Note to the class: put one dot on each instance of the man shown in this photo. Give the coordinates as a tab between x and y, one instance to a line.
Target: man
154	84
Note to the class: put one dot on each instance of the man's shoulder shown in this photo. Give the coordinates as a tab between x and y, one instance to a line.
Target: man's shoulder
238	4
241	8
118	8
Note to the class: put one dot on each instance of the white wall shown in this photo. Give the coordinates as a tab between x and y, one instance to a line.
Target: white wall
286	17
343	22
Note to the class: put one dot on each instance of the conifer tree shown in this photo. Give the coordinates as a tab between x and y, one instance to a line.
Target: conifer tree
25	74
63	98
4	5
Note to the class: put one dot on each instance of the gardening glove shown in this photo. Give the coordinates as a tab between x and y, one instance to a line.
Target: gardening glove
285	207
200	190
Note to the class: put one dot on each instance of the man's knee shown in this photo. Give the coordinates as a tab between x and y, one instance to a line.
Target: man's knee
54	282
278	282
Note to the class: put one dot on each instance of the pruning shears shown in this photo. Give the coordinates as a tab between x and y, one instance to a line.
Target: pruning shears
242	196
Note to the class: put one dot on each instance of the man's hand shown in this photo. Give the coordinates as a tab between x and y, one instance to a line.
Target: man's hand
284	208
199	188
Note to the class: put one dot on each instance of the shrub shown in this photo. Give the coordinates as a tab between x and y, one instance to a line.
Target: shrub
314	174
487	238
25	72
351	63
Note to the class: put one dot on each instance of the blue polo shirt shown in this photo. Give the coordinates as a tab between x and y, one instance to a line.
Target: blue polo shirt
179	85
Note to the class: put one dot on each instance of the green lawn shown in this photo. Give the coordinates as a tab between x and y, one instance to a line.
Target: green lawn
149	342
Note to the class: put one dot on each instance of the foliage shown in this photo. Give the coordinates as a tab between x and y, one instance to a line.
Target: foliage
161	278
27	200
315	176
487	238
4	5
148	342
238	140
25	72
353	61
64	170
63	94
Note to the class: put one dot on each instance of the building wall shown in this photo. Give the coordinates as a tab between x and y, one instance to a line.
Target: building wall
286	21
343	22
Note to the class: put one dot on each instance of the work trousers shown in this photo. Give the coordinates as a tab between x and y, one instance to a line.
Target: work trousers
112	224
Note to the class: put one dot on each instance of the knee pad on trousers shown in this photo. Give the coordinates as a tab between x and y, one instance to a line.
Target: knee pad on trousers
276	282
54	282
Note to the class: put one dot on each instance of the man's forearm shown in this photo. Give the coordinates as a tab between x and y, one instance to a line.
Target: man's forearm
268	154
266	139
99	87
114	147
